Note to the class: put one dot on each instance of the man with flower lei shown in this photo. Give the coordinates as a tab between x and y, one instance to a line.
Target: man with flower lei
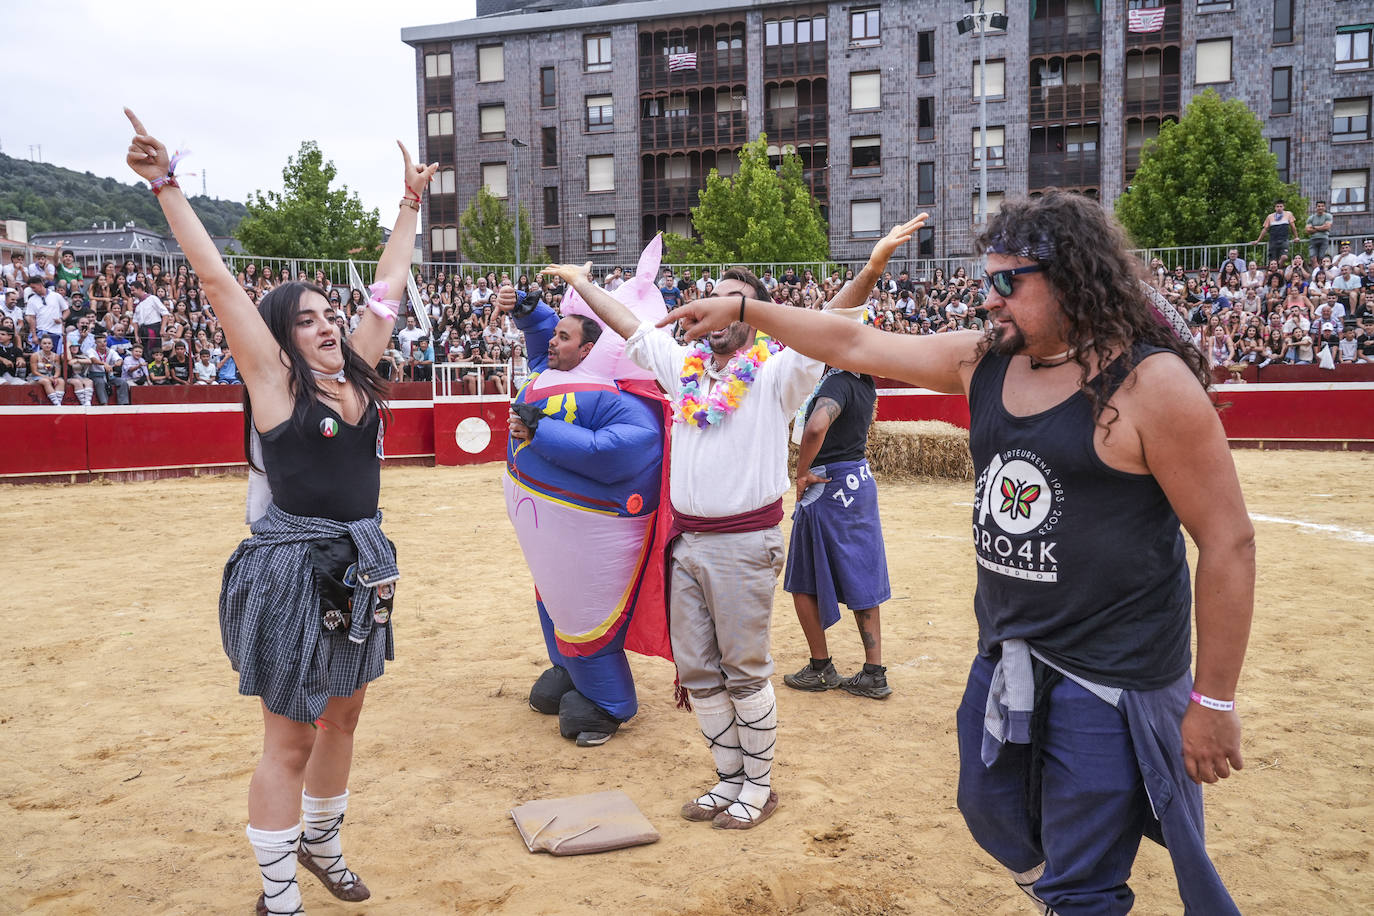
733	396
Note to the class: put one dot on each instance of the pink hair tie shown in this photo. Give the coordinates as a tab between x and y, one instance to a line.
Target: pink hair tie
386	309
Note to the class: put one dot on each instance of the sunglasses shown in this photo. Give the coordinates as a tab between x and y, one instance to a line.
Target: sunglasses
1001	280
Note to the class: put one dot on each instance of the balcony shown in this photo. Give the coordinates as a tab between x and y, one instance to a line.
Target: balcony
670	195
1151	94
708	129
1061	34
1170	34
1054	103
816	180
1064	170
794	60
713	66
802	122
1132	162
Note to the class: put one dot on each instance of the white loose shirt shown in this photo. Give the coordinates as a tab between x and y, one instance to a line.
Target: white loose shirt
149	311
740	463
46	310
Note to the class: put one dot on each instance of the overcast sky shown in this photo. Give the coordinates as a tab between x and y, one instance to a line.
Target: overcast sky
240	85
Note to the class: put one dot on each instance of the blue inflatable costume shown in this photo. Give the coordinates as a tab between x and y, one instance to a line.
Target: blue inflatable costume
583	492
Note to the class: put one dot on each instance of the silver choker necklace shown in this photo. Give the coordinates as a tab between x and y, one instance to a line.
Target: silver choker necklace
335	376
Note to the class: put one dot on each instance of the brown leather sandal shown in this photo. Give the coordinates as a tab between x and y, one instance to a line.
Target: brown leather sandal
349	887
726	821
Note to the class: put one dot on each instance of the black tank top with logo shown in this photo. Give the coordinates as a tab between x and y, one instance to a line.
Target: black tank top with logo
1084	562
323	468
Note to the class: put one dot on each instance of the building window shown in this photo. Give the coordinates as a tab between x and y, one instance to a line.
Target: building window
601	233
445	183
679	225
598	53
600	173
996	147
1350	119
1279	147
793	31
866	156
553	254
925	242
548	88
1352	47
994	203
865	218
1282	85
925	53
548	137
1350	191
1214	6
782	96
994	6
443	239
491	122
863	27
551	206
925	182
1283	22
437	65
1214	61
1080	139
494	178
996	76
440	123
925	117
865	91
600	115
491	63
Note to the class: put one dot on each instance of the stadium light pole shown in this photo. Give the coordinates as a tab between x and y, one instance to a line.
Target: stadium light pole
517	146
980	21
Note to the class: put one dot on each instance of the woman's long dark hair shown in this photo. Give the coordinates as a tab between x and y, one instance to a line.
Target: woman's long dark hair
279	309
1099	285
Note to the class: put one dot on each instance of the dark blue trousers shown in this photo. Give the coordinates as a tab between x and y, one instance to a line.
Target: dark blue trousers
603	678
1093	805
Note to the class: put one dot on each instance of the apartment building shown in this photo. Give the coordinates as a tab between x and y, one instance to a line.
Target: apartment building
609	116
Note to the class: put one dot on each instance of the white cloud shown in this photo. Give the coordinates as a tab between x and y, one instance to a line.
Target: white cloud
240	89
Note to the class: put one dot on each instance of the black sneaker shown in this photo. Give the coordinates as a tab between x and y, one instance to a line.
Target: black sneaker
874	686
809	678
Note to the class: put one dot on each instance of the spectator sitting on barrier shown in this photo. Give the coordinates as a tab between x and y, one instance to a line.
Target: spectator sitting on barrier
204	368
421	362
227	371
1349	347
158	372
389	367
1330	336
179	363
134	368
104	371
12	358
45	370
1251	348
1274	350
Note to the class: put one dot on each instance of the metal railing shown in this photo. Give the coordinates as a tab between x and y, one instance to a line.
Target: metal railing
453	380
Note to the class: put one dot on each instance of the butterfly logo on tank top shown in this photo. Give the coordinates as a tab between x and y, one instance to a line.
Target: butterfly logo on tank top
1018	502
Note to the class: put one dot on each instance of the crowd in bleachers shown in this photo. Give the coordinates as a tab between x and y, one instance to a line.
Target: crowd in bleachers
129	326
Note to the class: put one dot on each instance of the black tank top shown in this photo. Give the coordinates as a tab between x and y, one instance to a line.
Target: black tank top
1085	562
324	468
1278	231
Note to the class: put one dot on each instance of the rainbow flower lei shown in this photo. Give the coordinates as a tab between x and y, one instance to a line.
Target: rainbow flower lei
726	396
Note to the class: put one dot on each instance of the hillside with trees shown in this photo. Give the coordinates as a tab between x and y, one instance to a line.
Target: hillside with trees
51	199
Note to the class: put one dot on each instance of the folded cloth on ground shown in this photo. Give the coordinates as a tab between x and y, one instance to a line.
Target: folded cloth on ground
580	824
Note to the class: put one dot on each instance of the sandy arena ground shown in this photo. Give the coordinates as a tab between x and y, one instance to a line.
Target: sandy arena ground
127	750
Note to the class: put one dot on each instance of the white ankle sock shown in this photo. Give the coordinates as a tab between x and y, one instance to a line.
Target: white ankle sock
756	720
83	396
276	853
716	716
55	398
323	821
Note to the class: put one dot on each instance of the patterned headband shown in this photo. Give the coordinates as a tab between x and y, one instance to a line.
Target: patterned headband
1040	248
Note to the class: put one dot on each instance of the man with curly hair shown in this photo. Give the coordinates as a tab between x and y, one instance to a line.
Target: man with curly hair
1094	439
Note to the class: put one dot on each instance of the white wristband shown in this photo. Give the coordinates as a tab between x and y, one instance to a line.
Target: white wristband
1209	703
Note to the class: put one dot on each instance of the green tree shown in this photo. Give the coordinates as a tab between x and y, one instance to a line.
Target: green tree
487	233
1207	180
308	218
760	214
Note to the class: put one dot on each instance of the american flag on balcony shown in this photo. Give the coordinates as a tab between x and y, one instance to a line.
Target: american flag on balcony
687	61
1151	20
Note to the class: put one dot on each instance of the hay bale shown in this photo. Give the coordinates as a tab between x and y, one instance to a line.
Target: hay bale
906	449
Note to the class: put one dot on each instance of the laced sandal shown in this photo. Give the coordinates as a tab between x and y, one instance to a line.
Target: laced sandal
260	909
726	821
346	886
695	811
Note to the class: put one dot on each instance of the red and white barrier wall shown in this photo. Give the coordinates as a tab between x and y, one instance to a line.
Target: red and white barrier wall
182	430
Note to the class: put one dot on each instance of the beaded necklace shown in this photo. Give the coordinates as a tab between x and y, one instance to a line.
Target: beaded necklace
728	392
